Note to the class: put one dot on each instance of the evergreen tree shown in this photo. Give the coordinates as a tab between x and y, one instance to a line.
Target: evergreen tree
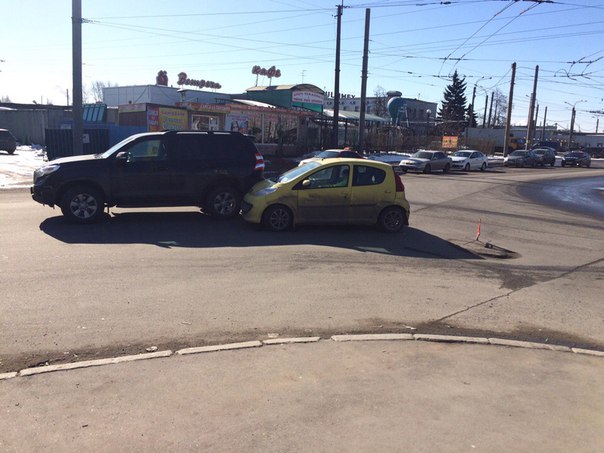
452	114
472	116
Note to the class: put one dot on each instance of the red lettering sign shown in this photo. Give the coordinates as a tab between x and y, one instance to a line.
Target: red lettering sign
184	80
270	72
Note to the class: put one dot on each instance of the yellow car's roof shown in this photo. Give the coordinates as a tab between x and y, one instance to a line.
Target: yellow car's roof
352	160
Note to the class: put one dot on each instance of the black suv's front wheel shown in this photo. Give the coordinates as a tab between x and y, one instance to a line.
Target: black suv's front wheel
223	203
81	204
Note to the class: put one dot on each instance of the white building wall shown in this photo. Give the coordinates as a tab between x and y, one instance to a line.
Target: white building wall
157	94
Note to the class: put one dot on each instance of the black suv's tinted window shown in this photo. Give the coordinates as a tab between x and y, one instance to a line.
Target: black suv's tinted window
188	147
232	147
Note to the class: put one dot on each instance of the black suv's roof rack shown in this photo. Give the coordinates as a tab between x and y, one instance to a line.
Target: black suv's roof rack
173	131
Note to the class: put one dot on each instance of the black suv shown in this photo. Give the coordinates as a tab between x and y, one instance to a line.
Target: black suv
7	141
211	170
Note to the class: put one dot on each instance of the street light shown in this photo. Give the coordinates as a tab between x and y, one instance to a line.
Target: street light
572	122
428	113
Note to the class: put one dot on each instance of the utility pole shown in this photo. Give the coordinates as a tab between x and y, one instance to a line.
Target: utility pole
491	109
535	122
364	82
530	130
544	123
486	104
572	126
336	90
78	122
508	119
470	114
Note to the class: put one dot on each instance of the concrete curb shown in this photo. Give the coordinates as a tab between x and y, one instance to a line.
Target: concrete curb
219	347
91	363
373	337
528	344
291	340
302	340
450	338
11	375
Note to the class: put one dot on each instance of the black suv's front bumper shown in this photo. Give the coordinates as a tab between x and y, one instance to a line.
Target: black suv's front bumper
42	195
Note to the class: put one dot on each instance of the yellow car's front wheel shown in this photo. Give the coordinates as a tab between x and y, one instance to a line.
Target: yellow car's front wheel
278	218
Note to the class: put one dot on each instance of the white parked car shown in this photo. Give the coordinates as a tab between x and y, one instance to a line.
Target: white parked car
468	160
330	154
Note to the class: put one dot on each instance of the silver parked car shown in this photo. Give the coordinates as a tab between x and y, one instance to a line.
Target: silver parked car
426	162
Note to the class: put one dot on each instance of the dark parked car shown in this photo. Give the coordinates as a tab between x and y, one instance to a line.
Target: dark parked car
7	141
545	156
211	170
576	158
521	158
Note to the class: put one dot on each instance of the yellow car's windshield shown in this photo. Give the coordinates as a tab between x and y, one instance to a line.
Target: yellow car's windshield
297	171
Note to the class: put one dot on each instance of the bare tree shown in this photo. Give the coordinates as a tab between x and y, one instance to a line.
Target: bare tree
381	102
500	108
96	90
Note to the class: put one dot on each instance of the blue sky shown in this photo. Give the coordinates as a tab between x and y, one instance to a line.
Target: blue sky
415	45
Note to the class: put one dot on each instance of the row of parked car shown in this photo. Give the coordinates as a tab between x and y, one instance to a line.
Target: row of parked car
424	161
427	161
546	156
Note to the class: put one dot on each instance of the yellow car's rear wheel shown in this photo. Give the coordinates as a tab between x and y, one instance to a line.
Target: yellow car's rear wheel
392	219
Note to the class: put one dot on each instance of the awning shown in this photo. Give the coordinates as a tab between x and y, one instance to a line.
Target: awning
254	103
356	116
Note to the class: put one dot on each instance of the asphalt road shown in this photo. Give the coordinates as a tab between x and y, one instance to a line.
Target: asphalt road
175	278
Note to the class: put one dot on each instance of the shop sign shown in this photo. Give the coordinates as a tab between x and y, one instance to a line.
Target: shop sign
162	78
237	123
159	119
307	97
450	141
270	72
184	80
330	95
153	119
207	107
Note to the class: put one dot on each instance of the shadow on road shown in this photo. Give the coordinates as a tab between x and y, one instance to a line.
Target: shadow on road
192	229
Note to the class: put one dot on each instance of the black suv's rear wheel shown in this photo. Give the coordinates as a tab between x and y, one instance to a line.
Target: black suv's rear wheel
81	204
223	203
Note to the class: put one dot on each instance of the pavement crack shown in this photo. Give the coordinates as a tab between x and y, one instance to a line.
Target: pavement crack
476	305
577	268
563	274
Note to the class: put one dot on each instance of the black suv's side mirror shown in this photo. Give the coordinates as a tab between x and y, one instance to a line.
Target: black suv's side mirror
122	157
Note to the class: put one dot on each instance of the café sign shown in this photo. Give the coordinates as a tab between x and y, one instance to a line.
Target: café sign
270	72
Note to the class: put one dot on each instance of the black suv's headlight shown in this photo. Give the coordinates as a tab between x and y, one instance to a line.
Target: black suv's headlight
46	170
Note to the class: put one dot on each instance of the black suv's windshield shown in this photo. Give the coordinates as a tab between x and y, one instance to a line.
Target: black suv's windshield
117	146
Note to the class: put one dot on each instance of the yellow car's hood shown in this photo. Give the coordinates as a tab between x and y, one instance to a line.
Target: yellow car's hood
262	185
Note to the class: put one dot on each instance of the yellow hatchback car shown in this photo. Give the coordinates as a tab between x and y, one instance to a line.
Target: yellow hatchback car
331	191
